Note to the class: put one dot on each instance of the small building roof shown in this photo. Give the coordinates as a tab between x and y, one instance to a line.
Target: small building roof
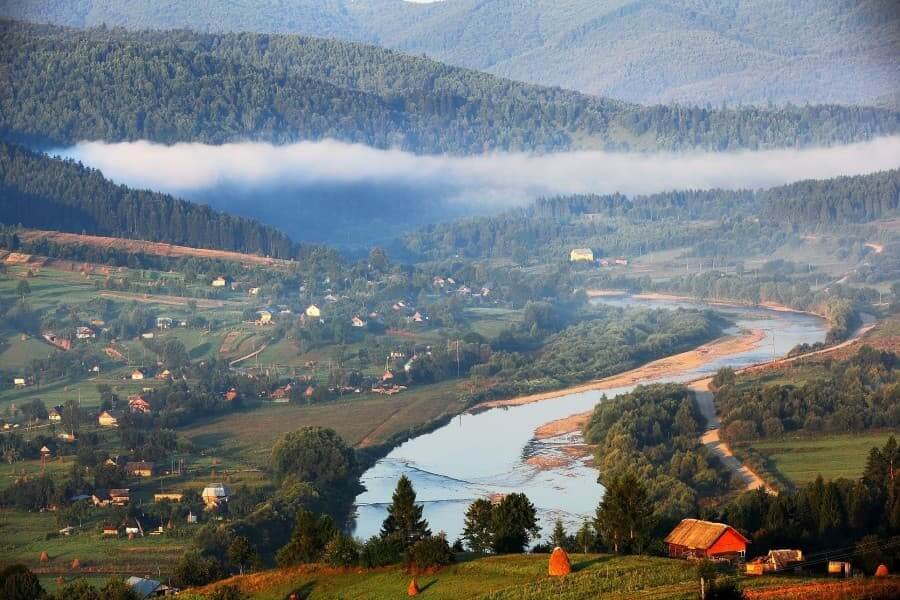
142	586
214	490
694	533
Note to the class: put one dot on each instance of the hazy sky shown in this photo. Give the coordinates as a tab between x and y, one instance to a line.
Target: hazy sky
503	179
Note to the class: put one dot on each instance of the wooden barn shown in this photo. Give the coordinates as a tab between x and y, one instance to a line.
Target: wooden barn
693	538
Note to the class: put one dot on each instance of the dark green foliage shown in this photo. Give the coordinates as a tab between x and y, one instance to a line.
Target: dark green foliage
380	551
342	551
18	583
404	520
650	52
46	193
311	535
478	528
513	524
654	430
313	454
624	517
195	570
430	551
160	87
856	394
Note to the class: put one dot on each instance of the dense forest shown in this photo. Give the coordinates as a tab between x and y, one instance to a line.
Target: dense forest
46	193
181	86
721	222
653	432
645	51
857	394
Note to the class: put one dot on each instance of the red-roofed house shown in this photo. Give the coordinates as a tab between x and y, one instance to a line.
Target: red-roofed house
693	538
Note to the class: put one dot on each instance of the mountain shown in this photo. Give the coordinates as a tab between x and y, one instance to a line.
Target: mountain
63	85
648	51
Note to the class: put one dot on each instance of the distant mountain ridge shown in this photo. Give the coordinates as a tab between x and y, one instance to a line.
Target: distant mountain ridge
648	51
62	85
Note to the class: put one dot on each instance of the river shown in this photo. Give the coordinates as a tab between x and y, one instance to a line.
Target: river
484	453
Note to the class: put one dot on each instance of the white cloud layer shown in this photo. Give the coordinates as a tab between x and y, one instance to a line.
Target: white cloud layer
503	179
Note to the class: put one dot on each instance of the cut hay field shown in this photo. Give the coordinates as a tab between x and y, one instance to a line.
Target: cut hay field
519	577
361	420
803	459
491	321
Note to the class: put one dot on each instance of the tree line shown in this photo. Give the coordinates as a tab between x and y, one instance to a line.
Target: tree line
184	86
48	193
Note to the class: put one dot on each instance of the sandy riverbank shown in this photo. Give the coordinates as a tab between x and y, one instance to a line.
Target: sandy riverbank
651	371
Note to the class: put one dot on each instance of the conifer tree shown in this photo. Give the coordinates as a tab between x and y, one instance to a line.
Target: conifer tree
404	520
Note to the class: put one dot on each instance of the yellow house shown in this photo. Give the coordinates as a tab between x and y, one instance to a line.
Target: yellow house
108	419
313	311
218	282
578	254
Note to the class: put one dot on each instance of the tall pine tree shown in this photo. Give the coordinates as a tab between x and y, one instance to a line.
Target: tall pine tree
404	520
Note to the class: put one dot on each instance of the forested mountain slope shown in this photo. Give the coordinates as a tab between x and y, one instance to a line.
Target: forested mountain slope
725	221
41	192
693	51
63	85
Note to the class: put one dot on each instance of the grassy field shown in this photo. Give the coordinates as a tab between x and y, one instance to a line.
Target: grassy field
802	460
366	420
24	536
520	577
491	321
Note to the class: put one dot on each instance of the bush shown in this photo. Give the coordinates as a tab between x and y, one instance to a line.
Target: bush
432	551
228	592
378	552
195	570
342	551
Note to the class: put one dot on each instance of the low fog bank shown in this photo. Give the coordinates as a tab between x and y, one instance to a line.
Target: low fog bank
306	186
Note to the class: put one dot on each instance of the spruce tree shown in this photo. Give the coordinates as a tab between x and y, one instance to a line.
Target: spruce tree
404	520
477	530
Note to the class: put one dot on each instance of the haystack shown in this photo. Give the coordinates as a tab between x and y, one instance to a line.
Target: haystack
413	588
45	557
559	563
76	564
881	571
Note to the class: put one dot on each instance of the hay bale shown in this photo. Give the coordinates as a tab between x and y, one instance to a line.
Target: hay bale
45	557
130	536
76	564
881	571
413	588
559	563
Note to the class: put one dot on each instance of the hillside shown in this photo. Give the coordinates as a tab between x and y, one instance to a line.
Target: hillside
46	193
638	50
182	86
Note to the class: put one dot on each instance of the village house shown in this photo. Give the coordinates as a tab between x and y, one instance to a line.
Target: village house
138	405
61	343
693	538
110	530
622	262
19	382
282	393
45	452
55	414
581	254
84	333
214	495
168	497
418	317
113	497
108	418
263	317
219	282
139	469
119	460
66	437
165	322
310	391
164	374
137	374
231	395
254	291
149	588
357	321
313	311
133	527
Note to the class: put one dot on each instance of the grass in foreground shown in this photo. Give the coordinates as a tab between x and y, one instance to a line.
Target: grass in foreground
803	459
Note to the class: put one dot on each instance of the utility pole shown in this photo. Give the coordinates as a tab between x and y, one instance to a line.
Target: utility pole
457	358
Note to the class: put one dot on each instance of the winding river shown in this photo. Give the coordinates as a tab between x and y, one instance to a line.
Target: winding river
484	453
